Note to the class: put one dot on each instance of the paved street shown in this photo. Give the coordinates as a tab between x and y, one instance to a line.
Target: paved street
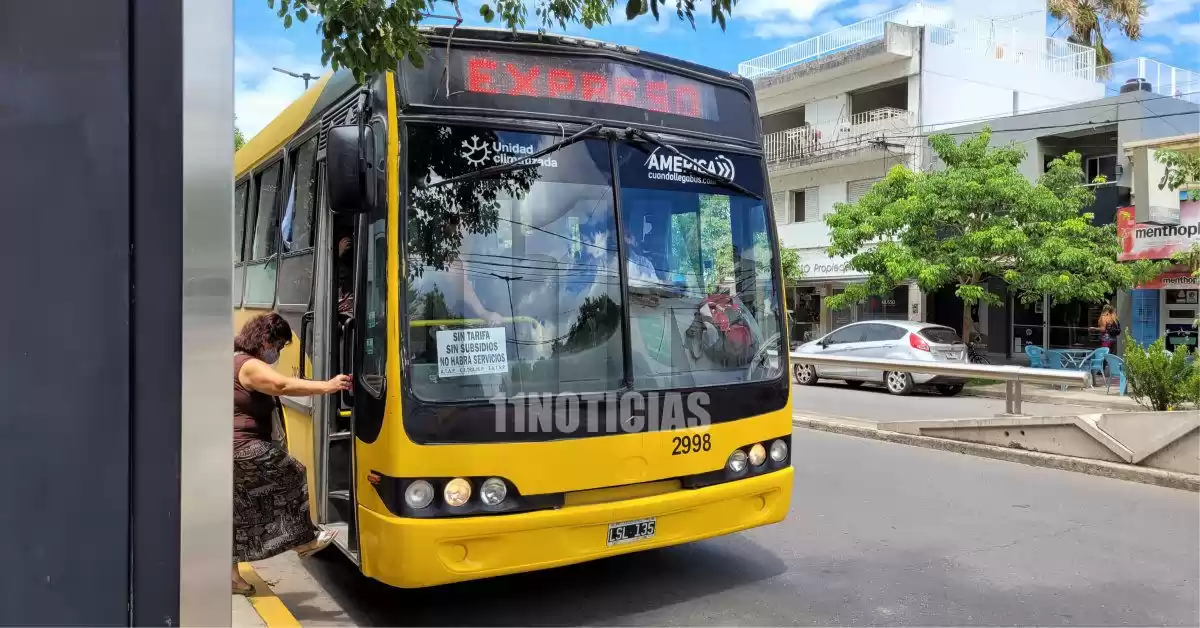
879	534
873	404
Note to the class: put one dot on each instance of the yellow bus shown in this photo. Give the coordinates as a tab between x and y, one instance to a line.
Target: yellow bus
550	266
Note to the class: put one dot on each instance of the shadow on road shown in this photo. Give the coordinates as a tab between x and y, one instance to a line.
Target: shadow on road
599	592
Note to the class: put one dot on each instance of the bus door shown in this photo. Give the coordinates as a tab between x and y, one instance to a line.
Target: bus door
339	442
327	331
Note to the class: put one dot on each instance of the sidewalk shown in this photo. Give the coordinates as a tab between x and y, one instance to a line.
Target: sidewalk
1038	393
1115	470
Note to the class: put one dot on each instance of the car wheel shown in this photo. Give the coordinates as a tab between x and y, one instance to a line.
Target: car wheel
804	374
854	383
898	383
949	390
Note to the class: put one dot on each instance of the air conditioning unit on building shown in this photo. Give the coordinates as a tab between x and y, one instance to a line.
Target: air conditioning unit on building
1152	205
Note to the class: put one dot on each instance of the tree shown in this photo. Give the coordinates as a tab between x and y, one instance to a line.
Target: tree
368	36
976	219
239	140
1088	20
1182	168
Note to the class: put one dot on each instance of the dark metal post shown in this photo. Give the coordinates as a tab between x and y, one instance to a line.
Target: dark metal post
117	197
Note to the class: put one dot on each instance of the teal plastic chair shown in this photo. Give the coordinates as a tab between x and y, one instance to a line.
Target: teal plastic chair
1116	370
1037	358
1094	364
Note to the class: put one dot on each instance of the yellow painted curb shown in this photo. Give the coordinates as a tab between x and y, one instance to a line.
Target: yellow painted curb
269	607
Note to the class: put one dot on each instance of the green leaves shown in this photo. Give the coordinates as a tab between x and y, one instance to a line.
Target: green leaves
372	36
1181	168
1158	379
976	218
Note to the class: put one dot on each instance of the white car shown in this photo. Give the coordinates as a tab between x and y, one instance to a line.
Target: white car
894	340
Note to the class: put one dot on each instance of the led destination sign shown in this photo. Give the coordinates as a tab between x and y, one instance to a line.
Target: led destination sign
586	80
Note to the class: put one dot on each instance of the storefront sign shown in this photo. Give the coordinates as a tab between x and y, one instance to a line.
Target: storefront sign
1179	280
1144	241
814	264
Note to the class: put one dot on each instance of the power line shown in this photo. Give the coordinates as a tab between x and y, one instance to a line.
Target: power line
1054	108
1085	123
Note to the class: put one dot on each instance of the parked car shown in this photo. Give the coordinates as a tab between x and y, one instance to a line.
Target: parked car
895	340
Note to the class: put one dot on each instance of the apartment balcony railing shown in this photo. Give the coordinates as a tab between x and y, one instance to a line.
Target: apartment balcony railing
983	39
869	29
978	36
1142	74
828	140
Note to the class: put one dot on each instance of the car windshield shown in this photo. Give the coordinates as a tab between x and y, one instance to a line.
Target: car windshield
513	280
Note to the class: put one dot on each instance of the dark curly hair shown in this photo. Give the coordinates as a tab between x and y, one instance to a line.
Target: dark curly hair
268	329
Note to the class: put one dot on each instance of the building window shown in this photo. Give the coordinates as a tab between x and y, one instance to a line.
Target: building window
857	189
804	205
1106	165
798	206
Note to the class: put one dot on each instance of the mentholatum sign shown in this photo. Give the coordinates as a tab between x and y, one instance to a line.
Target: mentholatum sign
1156	241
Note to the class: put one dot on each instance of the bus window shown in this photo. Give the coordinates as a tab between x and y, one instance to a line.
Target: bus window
707	305
261	263
296	265
513	281
239	219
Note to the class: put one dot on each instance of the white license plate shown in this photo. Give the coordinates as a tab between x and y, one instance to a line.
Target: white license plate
630	531
953	355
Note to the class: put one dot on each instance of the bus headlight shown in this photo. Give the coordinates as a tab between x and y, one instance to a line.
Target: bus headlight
418	495
737	461
779	450
457	493
758	455
493	491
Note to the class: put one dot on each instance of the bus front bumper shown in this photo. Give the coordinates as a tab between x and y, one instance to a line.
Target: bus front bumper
413	553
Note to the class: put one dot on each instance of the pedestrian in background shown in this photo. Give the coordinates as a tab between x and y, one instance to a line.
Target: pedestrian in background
270	488
1109	327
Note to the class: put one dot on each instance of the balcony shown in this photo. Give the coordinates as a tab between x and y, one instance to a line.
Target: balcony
1142	74
846	140
978	38
869	30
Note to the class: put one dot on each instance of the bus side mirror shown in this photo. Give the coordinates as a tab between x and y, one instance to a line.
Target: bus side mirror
345	169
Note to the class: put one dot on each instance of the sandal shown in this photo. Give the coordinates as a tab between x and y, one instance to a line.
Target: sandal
324	538
247	591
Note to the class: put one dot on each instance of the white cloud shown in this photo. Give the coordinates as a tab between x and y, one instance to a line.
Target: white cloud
260	93
1176	20
1165	10
1188	33
784	10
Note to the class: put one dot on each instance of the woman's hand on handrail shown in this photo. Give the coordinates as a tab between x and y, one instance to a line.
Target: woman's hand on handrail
260	377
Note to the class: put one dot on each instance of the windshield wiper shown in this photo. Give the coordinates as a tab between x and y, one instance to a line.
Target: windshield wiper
695	167
528	161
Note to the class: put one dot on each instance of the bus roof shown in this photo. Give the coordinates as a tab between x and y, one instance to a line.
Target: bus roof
302	112
333	86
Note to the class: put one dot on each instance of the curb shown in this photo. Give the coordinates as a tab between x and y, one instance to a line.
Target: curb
1049	399
268	606
1156	477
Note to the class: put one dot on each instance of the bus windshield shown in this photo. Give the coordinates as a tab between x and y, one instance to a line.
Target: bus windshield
514	280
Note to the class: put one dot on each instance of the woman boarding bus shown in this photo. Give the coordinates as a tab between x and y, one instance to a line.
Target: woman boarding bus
566	331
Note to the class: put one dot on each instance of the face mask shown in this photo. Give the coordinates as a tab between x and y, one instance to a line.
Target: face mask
271	356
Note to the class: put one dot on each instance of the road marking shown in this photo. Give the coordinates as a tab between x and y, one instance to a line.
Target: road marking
269	607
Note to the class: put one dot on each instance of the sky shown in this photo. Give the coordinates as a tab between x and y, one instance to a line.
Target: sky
1171	35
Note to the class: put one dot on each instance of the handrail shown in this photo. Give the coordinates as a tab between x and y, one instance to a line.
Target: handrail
1008	373
1012	376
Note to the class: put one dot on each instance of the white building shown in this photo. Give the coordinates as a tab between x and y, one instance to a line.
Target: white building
838	110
